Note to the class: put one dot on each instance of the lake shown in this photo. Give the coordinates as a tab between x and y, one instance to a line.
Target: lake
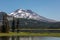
33	38
30	38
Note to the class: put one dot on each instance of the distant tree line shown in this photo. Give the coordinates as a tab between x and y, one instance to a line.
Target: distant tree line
33	24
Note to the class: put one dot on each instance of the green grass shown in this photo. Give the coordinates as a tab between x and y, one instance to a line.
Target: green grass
30	34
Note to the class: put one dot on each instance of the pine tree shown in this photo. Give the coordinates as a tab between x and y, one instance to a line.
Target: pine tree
5	26
17	25
13	25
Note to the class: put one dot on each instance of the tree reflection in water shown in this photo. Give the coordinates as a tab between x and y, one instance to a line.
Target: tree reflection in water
4	38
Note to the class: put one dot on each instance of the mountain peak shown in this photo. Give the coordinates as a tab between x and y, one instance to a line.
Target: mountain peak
19	10
23	10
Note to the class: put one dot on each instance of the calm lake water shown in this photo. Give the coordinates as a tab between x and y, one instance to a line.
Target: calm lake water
35	38
29	38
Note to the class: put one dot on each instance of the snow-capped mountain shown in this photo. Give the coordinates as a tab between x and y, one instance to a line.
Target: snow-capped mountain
27	19
28	14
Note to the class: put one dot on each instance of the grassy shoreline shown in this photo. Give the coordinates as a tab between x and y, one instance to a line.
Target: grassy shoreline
30	34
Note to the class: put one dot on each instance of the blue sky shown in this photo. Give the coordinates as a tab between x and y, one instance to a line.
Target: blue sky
46	8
